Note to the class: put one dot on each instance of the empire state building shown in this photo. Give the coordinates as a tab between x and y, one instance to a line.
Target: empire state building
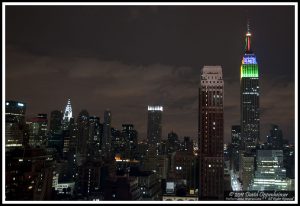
249	98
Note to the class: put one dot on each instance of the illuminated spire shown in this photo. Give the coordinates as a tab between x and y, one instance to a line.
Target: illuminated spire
248	39
68	111
248	25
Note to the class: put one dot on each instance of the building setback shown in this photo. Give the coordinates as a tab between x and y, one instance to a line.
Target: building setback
211	134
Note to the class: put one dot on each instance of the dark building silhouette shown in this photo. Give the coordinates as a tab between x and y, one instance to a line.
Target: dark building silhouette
118	143
183	167
154	128
173	143
15	125
211	134
275	139
106	147
89	180
188	145
122	188
94	147
130	136
56	122
38	130
289	160
28	174
235	147
82	136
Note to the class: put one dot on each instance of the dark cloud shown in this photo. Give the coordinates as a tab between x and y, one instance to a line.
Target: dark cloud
125	58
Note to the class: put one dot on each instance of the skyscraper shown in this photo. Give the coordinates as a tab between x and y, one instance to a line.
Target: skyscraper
82	135
14	123
38	130
130	136
94	136
249	98
235	146
275	139
56	122
173	143
67	115
154	129
107	133
211	133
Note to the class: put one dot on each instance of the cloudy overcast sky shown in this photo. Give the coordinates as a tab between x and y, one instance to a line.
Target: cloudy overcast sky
127	57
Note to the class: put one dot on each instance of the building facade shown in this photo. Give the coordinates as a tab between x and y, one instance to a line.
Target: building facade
211	134
154	129
15	124
275	139
270	173
38	130
56	117
235	147
106	146
130	136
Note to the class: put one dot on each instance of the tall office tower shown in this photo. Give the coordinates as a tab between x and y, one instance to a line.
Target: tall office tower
82	135
38	130
211	134
94	136
71	155
106	143
118	145
56	136
56	122
275	139
67	115
249	98
130	136
235	146
173	143
14	123
154	129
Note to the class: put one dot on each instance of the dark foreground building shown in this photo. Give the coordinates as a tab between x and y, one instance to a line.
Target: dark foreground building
211	132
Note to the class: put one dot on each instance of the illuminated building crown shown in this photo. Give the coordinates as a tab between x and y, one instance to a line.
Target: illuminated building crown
249	66
68	111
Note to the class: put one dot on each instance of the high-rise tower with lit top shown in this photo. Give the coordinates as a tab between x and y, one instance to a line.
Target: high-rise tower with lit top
67	115
211	134
154	129
249	97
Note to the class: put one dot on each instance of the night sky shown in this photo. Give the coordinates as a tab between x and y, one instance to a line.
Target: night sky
127	57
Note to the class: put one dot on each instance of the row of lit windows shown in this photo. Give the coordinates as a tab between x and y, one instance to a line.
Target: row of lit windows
212	77
211	82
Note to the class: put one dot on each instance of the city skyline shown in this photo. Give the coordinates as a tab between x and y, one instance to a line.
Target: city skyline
123	62
143	102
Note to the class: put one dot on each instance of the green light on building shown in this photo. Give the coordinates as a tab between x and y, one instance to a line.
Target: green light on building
249	70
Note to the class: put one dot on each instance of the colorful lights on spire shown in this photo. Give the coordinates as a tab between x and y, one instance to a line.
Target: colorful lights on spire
248	39
249	67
